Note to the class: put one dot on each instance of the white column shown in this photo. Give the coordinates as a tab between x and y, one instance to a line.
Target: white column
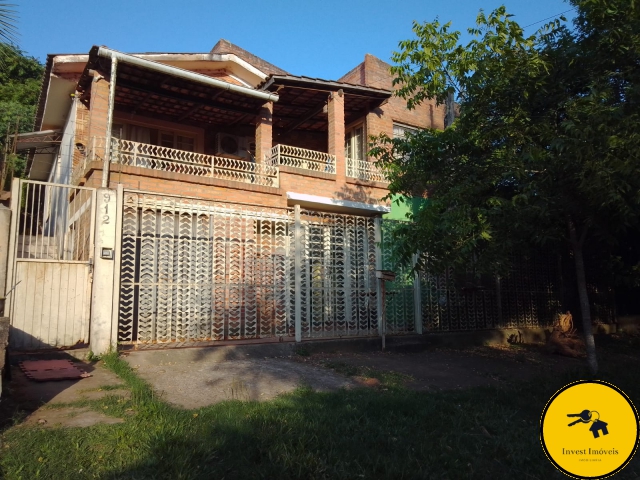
297	235
103	274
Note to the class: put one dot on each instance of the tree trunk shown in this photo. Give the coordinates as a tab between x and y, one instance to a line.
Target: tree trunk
585	309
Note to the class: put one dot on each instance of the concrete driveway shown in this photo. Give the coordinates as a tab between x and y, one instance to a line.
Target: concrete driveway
196	377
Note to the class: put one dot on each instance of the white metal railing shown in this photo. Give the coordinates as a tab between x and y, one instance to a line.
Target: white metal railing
143	155
301	158
364	170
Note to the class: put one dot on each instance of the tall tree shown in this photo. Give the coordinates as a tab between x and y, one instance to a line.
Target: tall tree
545	149
20	80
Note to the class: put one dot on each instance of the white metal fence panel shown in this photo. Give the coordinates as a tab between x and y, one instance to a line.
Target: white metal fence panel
400	303
197	271
50	269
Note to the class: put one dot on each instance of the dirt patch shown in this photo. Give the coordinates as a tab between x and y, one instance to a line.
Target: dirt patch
443	369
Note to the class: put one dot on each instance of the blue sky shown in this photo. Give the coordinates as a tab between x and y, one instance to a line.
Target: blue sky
305	37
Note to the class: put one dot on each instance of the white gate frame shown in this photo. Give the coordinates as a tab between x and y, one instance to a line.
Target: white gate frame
17	288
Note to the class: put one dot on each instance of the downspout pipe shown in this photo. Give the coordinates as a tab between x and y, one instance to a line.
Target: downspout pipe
107	147
185	74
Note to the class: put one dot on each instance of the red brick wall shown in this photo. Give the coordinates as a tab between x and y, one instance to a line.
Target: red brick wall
291	180
82	132
224	46
264	132
374	72
98	106
355	76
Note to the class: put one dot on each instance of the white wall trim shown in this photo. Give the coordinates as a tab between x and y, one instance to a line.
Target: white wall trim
336	204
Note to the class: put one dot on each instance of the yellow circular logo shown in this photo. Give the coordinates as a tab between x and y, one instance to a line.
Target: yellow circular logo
589	429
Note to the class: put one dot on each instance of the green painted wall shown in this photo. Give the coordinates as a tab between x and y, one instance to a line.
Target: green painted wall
401	205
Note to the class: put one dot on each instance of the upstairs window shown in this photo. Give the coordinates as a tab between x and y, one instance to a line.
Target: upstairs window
180	142
354	143
153	136
400	131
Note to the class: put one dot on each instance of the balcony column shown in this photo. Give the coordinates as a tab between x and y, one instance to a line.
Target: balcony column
335	110
98	107
264	132
98	121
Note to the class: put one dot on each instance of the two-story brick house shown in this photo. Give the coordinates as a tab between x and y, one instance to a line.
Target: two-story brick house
245	205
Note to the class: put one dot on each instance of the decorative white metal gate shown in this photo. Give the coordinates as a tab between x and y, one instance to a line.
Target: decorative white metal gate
193	270
338	288
50	264
198	271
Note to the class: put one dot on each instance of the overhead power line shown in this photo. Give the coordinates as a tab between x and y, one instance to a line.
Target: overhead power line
549	18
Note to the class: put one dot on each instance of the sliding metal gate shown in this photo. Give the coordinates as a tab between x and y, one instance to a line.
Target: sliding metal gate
195	271
50	264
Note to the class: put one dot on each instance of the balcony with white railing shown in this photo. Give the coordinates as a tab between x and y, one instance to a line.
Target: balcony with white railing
154	157
297	157
365	170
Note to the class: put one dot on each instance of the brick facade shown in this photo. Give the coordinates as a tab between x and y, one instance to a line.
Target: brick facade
372	72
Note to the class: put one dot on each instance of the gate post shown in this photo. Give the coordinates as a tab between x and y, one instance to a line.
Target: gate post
297	237
377	225
16	193
5	258
101	338
417	298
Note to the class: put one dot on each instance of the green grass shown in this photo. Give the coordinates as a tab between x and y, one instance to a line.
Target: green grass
350	434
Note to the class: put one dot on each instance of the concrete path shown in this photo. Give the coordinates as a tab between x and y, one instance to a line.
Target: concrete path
46	401
197	377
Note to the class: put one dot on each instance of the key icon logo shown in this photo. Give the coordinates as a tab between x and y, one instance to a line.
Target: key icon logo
587	416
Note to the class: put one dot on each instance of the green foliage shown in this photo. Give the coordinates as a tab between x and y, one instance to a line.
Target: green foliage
546	142
20	80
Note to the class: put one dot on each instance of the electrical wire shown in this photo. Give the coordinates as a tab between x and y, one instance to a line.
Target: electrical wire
549	18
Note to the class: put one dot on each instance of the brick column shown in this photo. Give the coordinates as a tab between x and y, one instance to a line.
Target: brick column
98	111
335	109
264	132
98	106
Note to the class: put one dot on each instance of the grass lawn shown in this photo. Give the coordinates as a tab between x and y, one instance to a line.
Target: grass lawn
390	432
